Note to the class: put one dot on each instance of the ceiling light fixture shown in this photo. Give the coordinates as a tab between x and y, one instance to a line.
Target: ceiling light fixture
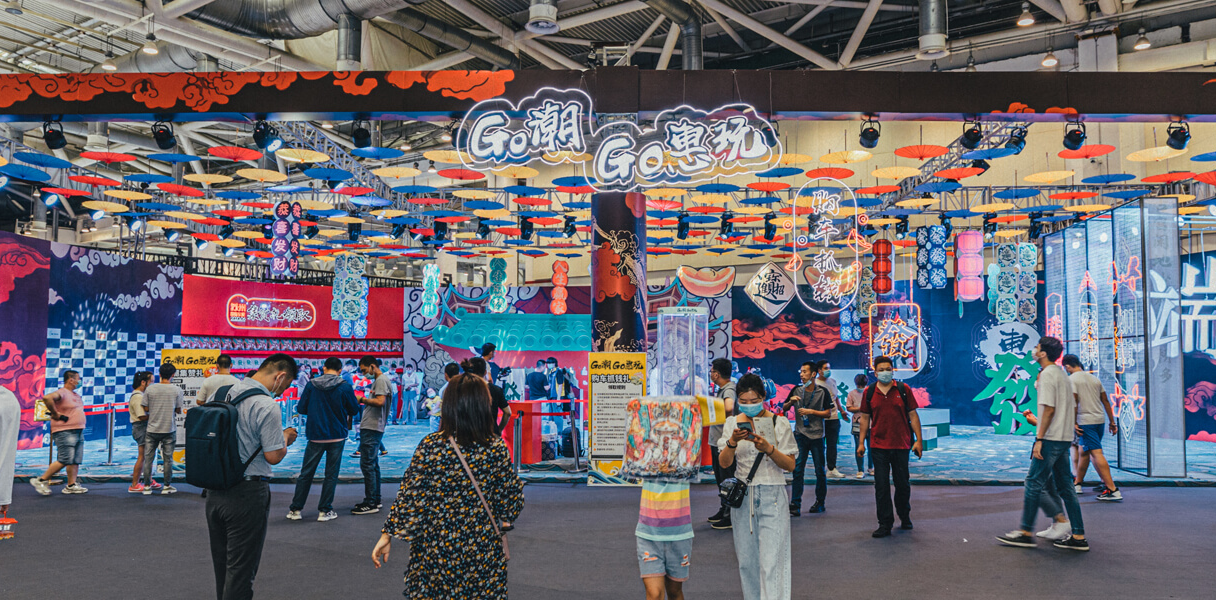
149	46
1179	133
266	136
1026	19
1050	59
431	167
361	136
327	125
1074	135
1142	42
108	63
162	132
52	135
870	132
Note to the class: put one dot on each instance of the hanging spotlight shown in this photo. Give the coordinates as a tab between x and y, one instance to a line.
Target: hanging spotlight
980	163
483	229
361	136
989	225
971	65
933	68
173	235
446	135
405	147
1074	135
1036	226
683	227
52	135
870	132
135	224
1142	42
162	132
569	229
108	63
312	231
266	136
226	232
397	231
727	227
1179	133
1017	140
770	135
1026	19
97	215
973	134
353	231
1050	59
770	228
249	258
150	45
441	230
201	244
948	225
229	251
431	167
50	199
525	228
901	228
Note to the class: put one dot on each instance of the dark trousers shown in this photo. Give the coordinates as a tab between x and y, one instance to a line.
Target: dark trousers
332	451
814	448
888	465
831	437
721	473
369	463
236	523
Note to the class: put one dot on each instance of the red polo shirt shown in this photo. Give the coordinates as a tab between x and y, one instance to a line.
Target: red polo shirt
889	426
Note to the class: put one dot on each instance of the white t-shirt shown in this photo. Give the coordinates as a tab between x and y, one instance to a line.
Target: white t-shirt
1055	390
214	383
782	438
1089	398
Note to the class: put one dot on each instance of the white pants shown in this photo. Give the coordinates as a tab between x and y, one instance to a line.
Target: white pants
10	425
762	543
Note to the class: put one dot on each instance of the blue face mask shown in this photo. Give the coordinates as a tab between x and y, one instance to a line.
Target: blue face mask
751	410
827	373
885	376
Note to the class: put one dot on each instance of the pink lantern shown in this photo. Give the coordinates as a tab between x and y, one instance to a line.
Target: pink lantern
969	265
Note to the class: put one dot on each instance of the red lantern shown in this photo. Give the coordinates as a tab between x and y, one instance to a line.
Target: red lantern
881	265
557	303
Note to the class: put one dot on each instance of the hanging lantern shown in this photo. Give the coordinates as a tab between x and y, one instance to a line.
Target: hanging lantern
349	305
557	305
931	257
882	267
969	265
1006	283
1028	283
498	290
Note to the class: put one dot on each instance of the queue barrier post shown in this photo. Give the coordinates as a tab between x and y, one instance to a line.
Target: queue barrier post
516	440
109	436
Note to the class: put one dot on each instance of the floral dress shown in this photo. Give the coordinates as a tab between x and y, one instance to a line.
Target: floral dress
454	552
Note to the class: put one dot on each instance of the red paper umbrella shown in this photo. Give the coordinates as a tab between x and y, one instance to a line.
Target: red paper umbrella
509	230
699	233
763	240
732	239
474	242
658	250
780	256
415	255
394	246
683	251
307	223
533	201
354	190
210	237
107	157
904	243
1090	151
423	231
357	246
583	229
262	241
94	180
258	204
65	192
213	221
1208	178
234	153
768	186
874	190
581	189
492	252
428	201
452	219
1073	195
178	189
745	219
1009	218
1169	177
959	173
545	220
706	210
833	172
466	174
233	213
564	245
921	151
259	254
662	204
662	222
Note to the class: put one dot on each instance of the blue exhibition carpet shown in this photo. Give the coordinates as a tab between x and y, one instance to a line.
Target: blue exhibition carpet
969	456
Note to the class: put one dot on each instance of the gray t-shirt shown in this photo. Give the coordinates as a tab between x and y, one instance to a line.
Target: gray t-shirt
212	384
805	396
162	401
259	423
374	417
1089	398
1055	391
727	391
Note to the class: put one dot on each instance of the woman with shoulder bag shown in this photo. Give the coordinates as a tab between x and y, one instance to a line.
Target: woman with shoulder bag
457	498
759	443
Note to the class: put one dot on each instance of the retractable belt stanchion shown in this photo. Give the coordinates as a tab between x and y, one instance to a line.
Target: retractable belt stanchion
575	434
109	436
516	452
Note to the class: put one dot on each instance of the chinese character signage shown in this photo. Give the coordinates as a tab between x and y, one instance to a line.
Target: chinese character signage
770	289
615	379
285	239
268	313
895	333
831	286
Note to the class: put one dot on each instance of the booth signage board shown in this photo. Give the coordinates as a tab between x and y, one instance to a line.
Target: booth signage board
193	366
614	379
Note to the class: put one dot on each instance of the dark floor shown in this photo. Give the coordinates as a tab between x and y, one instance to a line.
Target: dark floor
575	542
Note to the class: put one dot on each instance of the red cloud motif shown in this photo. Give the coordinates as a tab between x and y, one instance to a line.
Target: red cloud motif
783	333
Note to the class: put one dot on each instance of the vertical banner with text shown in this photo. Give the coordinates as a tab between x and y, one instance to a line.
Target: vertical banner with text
615	378
193	366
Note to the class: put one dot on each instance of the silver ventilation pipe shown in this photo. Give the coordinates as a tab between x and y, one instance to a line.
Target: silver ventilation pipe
933	33
170	58
290	19
455	37
681	13
350	43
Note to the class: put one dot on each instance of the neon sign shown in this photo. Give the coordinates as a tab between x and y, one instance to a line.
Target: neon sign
833	286
285	243
1124	352
1055	315
553	121
1089	324
895	332
430	290
270	313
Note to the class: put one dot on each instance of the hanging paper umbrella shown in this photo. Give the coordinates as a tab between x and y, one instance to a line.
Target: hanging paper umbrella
1110	178
830	172
26	173
207	178
516	172
353	190
65	192
262	175
1016	193
180	190
157	206
173	158
959	173
377	153
921	151
845	157
877	189
107	157
370	201
94	180
773	172
238	195
288	189
234	153
1087	151
329	174
1169	177
1073	195
39	159
147	178
461	174
989	153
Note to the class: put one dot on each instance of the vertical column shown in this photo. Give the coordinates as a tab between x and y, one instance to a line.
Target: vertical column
1164	408
350	43
618	272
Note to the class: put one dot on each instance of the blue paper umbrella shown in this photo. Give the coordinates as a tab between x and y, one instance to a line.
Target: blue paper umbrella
1110	178
938	187
157	206
1016	193
524	190
329	174
436	242
1126	194
402	221
173	158
499	223
571	181
238	195
377	153
662	214
535	213
514	242
780	172
576	205
701	219
550	233
959	214
148	178
1205	157
1056	219
868	201
482	205
583	223
414	189
440	213
718	188
333	212
720	250
251	221
370	200
532	252
900	212
461	253
989	153
1043	208
759	200
750	255
570	254
288	189
39	159
17	171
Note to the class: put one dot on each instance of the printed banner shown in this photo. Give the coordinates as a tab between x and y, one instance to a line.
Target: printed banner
193	366
615	379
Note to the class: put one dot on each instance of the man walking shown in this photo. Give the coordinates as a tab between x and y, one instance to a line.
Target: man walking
812	404
67	426
1050	460
237	516
719	374
1093	411
371	430
329	403
411	384
888	416
500	409
222	378
162	402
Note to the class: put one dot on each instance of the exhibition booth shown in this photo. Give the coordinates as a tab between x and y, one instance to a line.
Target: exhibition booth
615	231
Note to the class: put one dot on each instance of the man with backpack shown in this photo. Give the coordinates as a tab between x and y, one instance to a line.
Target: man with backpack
888	416
238	509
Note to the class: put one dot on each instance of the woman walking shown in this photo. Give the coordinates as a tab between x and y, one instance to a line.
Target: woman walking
453	521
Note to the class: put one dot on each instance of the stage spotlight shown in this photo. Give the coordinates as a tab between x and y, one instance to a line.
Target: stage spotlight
870	131
1036	226
1074	135
201	244
483	229
770	135
727	227
136	224
972	135
525	228
901	228
97	215
397	231
52	135
229	251
361	136
421	238
226	232
770	228
162	132
249	258
1179	133
353	231
989	225
50	199
568	229
683	226
1017	140
311	232
266	137
980	163
948	225
441	230
173	235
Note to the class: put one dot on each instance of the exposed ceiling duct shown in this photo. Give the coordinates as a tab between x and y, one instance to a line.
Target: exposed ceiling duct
350	43
690	31
170	58
289	19
455	37
933	34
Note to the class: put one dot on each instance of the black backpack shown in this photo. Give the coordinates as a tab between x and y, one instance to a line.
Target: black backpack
213	454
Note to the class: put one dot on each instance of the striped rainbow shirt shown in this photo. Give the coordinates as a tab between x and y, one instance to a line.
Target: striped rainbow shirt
664	515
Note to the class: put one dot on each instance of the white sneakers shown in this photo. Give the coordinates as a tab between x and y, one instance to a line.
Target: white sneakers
835	474
328	516
168	489
40	486
1057	531
860	475
294	515
75	488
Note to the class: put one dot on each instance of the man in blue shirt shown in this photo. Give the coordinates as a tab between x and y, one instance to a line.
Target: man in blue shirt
538	383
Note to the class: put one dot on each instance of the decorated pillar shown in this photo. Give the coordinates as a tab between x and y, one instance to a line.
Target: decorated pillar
618	272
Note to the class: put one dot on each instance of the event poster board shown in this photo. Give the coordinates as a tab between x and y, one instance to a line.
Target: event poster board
193	366
614	378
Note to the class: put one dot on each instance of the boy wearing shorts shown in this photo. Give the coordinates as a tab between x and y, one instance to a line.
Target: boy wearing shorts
664	534
1093	411
139	429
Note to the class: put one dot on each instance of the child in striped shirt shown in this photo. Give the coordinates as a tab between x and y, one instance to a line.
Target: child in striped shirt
664	534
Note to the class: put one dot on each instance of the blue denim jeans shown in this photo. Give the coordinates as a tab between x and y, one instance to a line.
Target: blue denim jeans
332	451
761	528
1056	465
815	449
369	463
435	422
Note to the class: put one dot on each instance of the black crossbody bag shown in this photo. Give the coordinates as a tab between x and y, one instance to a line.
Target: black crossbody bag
733	490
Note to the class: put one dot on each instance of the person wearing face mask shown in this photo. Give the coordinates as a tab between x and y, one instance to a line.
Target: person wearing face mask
831	424
813	406
888	416
237	517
